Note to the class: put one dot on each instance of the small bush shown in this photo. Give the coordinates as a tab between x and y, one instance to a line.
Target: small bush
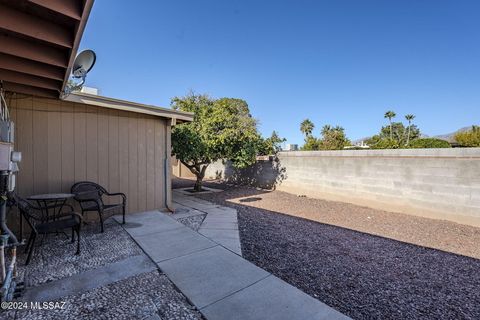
378	142
429	143
469	138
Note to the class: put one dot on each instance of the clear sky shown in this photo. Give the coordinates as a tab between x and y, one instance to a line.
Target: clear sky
336	62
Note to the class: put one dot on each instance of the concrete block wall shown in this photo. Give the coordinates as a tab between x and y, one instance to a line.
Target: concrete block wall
436	183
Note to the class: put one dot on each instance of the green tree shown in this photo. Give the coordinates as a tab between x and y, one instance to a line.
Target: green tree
470	138
306	127
311	144
409	118
221	129
390	115
333	138
271	145
398	134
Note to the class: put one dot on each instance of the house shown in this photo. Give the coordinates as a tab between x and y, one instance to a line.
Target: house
122	145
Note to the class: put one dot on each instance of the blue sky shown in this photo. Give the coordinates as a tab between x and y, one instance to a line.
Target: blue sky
336	62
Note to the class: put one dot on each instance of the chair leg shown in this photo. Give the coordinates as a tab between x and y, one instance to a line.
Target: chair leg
30	252
29	242
123	212
101	220
73	236
78	238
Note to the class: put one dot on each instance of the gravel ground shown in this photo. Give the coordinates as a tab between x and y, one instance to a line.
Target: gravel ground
56	259
385	271
193	222
137	297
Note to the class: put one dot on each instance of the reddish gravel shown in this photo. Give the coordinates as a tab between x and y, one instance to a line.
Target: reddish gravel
366	274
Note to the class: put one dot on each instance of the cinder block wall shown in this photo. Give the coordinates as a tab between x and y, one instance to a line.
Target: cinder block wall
435	183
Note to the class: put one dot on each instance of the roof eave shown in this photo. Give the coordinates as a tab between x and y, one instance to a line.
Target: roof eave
111	103
78	37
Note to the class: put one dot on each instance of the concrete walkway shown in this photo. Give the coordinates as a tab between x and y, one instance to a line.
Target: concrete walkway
91	279
220	224
220	283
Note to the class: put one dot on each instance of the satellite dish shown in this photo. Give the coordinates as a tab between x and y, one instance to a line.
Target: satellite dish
83	63
81	66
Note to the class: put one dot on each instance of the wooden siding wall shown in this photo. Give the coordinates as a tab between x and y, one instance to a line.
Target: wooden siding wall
64	142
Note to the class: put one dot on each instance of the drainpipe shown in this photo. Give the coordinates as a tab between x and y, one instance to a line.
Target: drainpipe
166	167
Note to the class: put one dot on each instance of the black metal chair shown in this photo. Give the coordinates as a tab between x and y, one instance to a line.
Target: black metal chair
90	197
41	224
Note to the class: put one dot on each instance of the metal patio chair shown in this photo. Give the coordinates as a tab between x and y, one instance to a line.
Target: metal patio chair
90	197
41	224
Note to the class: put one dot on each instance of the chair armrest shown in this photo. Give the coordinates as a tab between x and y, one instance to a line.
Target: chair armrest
34	212
124	197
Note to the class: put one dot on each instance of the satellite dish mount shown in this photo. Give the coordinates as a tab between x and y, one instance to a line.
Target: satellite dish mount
83	63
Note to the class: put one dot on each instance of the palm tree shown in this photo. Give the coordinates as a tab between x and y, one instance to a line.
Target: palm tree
307	127
326	129
409	118
390	115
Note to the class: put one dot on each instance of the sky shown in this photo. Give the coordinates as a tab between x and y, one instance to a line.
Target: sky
337	62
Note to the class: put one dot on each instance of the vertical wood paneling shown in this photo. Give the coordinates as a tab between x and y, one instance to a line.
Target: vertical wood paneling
24	140
54	150
142	165
92	142
132	201
68	149
12	105
159	159
103	147
63	142
123	152
80	143
40	146
113	166
150	161
168	166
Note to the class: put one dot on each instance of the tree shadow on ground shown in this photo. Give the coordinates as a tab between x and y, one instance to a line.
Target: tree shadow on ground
362	275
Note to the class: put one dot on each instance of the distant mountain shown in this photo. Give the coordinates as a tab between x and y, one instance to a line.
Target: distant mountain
450	137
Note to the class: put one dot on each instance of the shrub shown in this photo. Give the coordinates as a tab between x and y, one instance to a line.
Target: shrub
429	143
378	142
469	138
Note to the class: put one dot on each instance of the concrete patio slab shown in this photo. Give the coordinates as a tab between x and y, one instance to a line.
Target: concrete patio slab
270	298
148	222
187	191
185	212
223	211
174	243
221	283
226	224
220	234
209	275
230	244
220	224
90	279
